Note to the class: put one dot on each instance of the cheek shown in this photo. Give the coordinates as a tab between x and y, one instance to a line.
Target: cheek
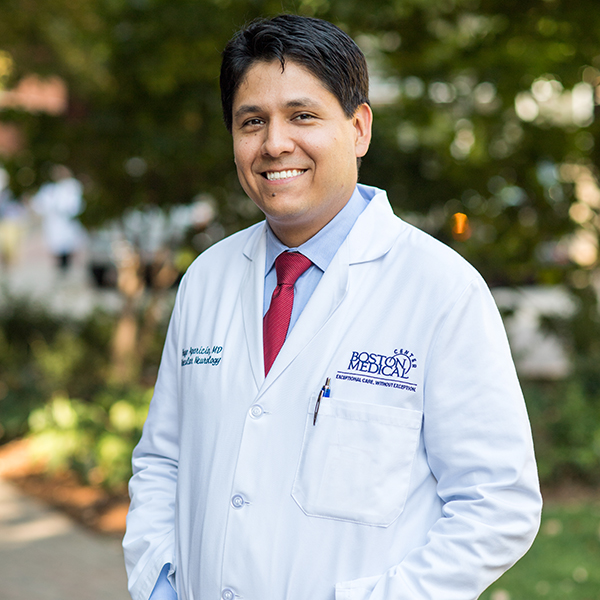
242	153
238	158
332	147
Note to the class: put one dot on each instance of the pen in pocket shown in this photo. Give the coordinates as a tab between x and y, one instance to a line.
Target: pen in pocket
324	393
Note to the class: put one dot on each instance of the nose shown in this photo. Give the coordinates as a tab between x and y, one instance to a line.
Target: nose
278	139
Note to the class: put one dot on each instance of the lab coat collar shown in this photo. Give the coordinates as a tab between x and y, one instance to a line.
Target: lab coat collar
376	229
377	224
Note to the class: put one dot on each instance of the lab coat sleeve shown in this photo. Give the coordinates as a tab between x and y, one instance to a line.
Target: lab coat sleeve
478	444
149	539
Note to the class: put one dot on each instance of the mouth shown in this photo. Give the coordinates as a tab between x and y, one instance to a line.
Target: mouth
279	175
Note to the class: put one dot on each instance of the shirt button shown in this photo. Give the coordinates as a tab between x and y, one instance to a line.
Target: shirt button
227	594
256	411
237	502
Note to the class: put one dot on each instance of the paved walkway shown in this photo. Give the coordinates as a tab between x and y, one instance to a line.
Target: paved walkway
46	556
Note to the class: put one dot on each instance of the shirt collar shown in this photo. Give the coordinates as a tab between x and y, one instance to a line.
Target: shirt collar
321	248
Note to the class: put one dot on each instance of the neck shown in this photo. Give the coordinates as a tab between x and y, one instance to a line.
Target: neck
292	238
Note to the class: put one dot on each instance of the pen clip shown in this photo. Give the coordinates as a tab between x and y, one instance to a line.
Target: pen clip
324	393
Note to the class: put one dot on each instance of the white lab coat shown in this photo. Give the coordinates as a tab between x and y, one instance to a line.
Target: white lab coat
418	480
59	204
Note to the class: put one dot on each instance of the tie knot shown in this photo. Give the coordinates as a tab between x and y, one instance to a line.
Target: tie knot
289	266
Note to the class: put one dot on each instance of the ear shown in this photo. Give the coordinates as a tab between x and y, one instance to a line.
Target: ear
362	121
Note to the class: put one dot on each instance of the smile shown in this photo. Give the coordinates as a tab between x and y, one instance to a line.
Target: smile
275	175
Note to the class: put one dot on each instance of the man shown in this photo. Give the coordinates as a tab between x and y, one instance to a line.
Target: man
336	414
59	204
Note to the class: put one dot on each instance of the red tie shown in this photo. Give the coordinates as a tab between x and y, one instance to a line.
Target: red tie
289	266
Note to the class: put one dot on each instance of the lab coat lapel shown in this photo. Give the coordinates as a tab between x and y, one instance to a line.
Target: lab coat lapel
252	291
372	236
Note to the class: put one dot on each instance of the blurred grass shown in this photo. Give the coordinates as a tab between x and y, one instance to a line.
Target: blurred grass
564	561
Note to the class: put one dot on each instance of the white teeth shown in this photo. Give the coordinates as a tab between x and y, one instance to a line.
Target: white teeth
273	175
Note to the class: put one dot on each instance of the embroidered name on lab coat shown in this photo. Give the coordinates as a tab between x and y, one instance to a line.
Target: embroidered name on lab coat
379	369
201	355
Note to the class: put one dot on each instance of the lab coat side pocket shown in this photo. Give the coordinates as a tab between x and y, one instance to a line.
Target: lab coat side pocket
355	463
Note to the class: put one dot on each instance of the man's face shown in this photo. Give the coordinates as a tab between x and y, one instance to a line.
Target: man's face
295	149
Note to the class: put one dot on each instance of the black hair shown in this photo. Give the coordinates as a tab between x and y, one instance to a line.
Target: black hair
325	50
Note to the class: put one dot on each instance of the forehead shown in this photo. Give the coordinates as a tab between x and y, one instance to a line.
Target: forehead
270	81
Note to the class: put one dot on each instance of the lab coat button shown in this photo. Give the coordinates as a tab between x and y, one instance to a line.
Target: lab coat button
256	411
237	502
227	594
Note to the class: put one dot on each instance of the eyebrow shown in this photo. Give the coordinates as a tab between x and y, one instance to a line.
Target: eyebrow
246	109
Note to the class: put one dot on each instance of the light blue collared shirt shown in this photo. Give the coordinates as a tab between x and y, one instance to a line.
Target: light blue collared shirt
320	249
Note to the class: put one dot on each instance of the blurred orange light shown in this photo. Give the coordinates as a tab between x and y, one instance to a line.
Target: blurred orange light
461	230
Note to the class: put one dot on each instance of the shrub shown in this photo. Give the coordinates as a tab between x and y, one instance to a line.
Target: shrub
565	418
43	356
94	439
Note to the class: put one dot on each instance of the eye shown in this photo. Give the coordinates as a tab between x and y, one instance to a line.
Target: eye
253	122
304	117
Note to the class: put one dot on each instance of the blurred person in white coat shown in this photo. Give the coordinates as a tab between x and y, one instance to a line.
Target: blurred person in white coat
337	414
59	203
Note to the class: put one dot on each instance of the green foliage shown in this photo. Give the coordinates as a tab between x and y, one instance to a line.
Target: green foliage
93	439
563	561
565	417
143	78
53	389
565	414
42	355
20	324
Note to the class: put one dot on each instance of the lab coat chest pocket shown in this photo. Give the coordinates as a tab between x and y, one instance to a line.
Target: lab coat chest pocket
356	461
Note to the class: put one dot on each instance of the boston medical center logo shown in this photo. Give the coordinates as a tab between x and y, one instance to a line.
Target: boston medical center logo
379	369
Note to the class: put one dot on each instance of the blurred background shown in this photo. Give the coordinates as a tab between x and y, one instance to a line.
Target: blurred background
116	171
